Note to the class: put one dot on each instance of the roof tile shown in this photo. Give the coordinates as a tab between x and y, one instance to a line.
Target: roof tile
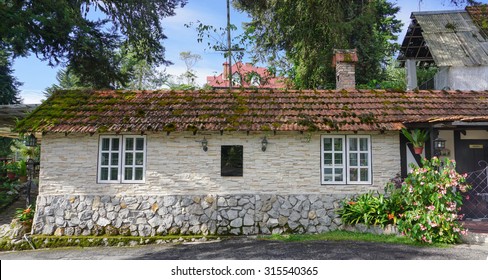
328	110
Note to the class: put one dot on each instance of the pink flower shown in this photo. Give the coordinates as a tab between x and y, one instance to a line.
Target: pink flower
431	207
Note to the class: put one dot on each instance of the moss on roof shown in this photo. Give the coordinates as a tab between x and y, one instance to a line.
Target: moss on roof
89	111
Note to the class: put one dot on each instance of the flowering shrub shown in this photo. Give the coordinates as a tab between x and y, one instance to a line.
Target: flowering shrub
424	208
432	198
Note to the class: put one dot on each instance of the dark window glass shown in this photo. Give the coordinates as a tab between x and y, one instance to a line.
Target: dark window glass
232	160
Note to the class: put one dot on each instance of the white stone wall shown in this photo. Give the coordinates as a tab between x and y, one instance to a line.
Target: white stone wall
177	165
463	78
184	192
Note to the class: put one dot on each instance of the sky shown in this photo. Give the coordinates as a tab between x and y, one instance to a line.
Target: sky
36	75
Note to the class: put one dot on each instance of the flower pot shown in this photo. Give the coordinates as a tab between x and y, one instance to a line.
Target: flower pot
10	175
418	150
22	179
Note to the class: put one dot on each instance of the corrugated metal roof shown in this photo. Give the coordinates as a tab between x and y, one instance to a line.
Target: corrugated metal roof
325	110
449	38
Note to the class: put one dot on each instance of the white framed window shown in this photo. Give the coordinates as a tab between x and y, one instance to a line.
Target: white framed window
236	79
346	159
122	159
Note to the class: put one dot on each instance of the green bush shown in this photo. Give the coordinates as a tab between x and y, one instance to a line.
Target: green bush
369	208
432	197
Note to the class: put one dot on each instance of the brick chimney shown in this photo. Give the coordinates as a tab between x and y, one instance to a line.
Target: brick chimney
345	63
225	73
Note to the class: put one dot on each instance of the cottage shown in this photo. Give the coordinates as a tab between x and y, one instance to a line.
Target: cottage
227	162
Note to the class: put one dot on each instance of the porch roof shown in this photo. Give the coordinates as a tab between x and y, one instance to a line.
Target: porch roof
88	111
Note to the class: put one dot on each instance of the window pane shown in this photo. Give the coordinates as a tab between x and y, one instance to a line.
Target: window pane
328	174
363	159
339	174
104	160
140	144
327	144
105	144
231	160
364	174
327	158
139	158
353	144
104	173
129	158
115	159
363	144
353	159
338	158
115	144
114	173
129	144
139	173
353	174
337	144
128	173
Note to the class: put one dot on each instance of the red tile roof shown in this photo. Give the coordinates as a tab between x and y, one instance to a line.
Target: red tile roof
268	81
329	110
479	14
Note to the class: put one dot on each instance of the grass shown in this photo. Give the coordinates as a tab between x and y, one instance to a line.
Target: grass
49	241
340	235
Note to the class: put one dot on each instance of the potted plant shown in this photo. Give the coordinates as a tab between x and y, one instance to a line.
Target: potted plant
12	170
417	138
25	216
23	171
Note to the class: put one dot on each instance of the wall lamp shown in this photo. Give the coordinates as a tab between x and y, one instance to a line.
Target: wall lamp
264	144
31	140
204	143
439	147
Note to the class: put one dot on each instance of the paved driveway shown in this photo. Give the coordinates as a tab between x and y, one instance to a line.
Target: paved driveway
248	248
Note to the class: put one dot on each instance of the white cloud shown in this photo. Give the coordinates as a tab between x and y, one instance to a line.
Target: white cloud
31	96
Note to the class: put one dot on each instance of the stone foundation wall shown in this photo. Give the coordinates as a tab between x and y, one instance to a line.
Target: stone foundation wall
245	214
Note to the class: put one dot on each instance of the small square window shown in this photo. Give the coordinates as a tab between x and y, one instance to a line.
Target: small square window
231	160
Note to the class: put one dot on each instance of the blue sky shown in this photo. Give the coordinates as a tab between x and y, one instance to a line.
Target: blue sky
36	75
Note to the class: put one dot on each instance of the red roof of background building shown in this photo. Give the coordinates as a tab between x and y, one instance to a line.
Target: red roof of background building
268	81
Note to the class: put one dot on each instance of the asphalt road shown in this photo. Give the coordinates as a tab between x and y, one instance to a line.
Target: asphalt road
248	248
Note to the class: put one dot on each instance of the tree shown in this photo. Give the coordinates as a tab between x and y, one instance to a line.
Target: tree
85	35
190	60
306	32
9	92
141	75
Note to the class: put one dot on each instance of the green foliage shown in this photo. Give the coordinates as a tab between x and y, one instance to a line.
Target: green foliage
67	32
306	32
368	208
417	137
9	92
137	75
8	192
5	144
26	214
373	208
22	168
432	197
